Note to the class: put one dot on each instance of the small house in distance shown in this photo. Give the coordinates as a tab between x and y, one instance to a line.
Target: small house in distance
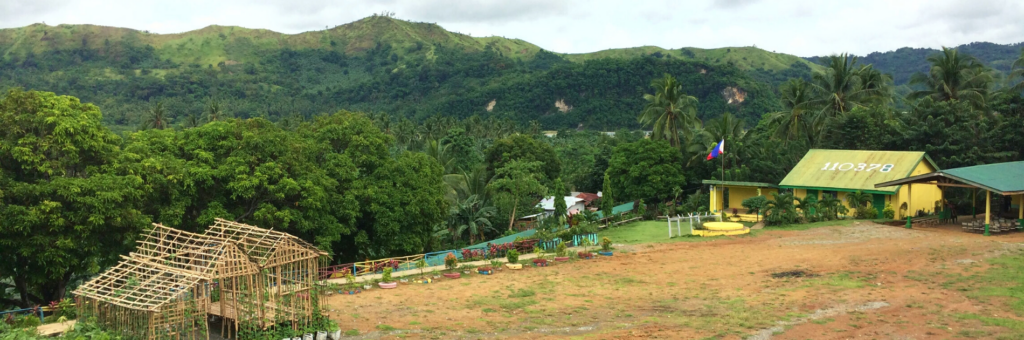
573	205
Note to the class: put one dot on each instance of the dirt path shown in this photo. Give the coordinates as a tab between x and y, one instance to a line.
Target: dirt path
721	289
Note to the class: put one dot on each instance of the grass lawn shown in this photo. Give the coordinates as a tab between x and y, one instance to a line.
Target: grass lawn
654	232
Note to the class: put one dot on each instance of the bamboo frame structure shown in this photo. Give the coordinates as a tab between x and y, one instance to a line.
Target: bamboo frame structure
251	277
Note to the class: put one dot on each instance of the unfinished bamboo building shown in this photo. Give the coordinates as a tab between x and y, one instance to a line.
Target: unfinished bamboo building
249	276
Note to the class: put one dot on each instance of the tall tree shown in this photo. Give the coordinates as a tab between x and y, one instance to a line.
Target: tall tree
157	117
607	199
525	149
558	194
66	212
845	85
669	110
517	187
1016	76
646	169
954	76
213	111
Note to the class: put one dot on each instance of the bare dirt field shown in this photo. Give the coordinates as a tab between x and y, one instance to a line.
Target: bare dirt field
863	281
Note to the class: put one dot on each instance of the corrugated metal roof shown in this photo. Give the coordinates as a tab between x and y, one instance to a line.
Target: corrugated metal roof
1002	177
852	169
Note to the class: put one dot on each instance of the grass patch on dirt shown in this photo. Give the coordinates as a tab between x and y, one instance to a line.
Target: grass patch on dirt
655	232
1003	281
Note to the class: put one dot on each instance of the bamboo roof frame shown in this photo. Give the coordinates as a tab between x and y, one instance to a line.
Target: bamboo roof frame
169	262
267	247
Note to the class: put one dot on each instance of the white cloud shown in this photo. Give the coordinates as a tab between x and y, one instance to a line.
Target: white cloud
800	27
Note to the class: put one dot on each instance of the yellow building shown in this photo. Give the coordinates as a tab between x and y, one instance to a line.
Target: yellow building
729	195
838	172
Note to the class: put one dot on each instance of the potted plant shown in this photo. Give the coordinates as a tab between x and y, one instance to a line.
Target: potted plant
451	262
485	270
586	254
385	280
539	261
435	274
606	247
560	252
496	264
423	278
513	260
333	330
351	288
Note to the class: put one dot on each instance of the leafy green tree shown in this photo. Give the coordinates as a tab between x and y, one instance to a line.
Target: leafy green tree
66	213
1016	77
669	111
558	194
472	217
646	169
607	199
798	121
517	187
954	76
525	149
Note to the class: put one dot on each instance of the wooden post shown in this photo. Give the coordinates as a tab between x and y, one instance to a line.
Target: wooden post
910	205
988	210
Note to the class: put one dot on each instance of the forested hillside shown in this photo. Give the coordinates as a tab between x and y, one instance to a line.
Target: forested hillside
378	64
904	62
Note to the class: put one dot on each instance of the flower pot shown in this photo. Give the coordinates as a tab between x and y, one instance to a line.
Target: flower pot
388	285
404	280
514	266
452	275
367	286
307	336
561	259
321	335
605	253
336	335
297	338
467	272
485	272
424	280
540	264
437	277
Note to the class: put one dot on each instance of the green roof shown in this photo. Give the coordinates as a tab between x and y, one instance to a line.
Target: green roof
740	184
853	170
1001	178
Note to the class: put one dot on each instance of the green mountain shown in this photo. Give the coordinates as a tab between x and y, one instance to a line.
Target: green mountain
904	62
380	64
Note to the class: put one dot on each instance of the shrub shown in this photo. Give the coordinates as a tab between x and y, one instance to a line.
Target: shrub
450	261
780	210
606	244
560	249
866	213
888	212
386	277
512	256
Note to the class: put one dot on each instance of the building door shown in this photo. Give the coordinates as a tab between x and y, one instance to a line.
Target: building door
879	203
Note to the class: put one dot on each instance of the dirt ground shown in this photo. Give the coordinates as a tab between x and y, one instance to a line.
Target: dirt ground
866	281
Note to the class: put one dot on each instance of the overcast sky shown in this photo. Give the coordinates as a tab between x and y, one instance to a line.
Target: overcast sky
800	27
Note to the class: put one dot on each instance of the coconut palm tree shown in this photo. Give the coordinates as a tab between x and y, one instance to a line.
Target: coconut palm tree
858	199
669	110
954	76
780	209
797	121
213	111
470	215
157	118
191	121
844	85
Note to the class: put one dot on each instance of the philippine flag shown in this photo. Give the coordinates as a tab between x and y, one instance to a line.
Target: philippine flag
718	150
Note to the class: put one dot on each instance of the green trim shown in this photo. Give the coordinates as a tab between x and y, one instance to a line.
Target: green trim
740	184
930	161
840	189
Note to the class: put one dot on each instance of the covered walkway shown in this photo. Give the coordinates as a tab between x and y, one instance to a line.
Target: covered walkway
1006	179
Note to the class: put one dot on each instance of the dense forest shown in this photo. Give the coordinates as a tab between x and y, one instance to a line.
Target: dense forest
371	155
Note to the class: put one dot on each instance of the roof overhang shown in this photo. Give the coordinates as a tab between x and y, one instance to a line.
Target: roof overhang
943	179
739	184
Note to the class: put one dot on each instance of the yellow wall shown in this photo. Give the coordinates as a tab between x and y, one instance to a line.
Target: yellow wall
923	195
736	196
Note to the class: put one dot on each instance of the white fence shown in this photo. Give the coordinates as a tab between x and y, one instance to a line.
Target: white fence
690	218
